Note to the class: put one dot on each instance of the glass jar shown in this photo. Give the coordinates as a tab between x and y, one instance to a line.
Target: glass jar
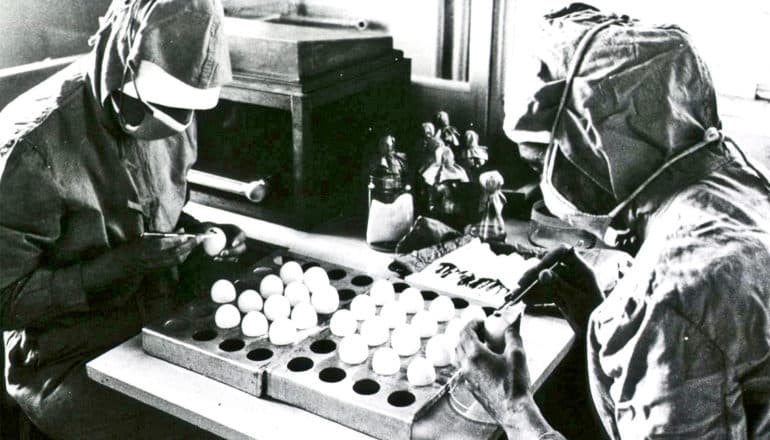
390	211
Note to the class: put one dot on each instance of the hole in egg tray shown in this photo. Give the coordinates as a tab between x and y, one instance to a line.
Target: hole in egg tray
189	338
382	406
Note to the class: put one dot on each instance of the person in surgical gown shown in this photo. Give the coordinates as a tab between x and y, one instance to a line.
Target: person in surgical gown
89	160
624	126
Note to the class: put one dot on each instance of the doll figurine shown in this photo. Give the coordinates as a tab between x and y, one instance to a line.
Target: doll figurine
443	168
444	131
426	145
388	161
472	155
491	226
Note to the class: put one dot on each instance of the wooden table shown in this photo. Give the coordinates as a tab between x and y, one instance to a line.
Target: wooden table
230	413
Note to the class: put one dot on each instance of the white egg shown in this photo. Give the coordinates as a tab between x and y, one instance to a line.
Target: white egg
296	292
425	323
420	372
290	272
223	291
304	316
442	308
270	285
375	331
473	313
363	307
277	307
439	351
215	241
326	299
385	361
412	300
227	316
382	292
405	340
254	324
353	349
315	277
283	332
343	323
249	301
494	332
393	314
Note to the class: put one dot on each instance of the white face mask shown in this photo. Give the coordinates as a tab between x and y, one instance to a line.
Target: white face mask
155	124
597	224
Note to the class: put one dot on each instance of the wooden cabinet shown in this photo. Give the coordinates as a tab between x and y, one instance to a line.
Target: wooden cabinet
306	99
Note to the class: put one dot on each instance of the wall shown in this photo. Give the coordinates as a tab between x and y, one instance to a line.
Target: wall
36	29
732	40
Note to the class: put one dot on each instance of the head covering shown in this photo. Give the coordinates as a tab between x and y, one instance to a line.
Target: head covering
175	50
640	95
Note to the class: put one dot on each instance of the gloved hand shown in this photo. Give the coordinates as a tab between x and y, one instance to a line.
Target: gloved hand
236	241
572	286
500	382
136	258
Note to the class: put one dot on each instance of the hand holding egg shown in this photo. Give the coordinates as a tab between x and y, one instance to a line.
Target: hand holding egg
214	241
505	376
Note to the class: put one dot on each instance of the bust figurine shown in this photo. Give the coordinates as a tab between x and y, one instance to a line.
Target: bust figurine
388	161
444	131
472	155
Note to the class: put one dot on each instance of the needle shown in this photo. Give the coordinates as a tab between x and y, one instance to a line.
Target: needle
173	234
510	299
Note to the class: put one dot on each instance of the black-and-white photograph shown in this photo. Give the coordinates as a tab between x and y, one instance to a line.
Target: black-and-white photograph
384	220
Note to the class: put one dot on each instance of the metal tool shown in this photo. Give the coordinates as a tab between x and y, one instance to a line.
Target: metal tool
174	235
255	191
558	266
167	235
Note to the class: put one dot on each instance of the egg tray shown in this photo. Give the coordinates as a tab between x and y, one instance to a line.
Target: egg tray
189	338
314	378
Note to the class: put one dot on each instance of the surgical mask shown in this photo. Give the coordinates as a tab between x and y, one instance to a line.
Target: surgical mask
155	123
599	225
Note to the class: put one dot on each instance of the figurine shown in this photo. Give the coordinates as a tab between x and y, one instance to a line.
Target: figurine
388	161
391	205
491	226
444	131
473	156
443	168
426	145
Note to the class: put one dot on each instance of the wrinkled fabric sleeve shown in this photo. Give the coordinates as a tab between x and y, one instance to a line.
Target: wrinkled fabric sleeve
188	223
653	374
31	216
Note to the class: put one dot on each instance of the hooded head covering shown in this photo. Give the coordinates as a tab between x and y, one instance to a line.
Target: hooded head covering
640	95
175	51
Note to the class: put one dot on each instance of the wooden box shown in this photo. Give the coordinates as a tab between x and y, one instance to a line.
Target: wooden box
293	52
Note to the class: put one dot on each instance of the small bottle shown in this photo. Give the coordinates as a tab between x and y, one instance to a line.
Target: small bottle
390	213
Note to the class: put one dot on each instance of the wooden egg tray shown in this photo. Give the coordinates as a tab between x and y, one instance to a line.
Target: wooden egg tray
191	340
313	377
309	373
